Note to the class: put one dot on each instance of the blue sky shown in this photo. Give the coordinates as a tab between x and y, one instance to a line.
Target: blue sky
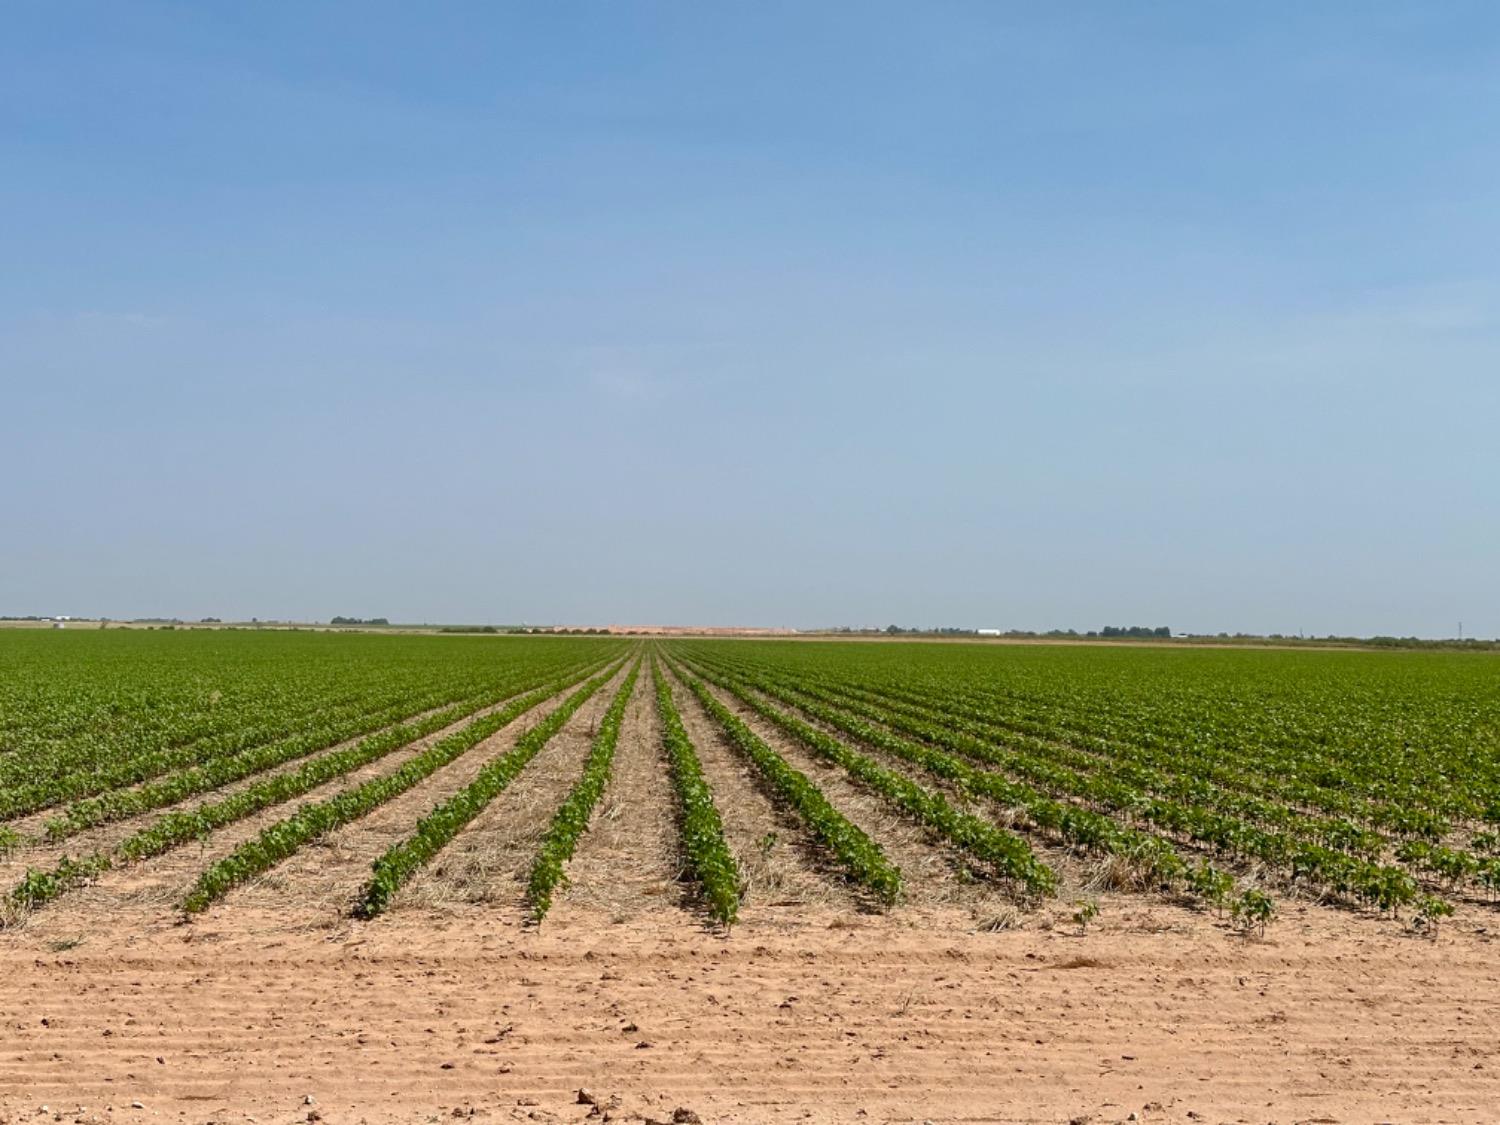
975	314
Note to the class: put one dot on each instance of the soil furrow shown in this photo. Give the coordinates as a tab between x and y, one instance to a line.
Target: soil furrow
628	862
932	872
150	891
487	863
317	885
780	862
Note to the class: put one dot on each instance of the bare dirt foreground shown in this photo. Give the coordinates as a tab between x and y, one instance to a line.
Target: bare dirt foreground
1158	1014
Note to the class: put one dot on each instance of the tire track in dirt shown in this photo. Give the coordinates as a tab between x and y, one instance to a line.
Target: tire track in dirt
487	863
780	862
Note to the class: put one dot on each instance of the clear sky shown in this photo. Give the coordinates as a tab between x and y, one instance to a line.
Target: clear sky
1019	315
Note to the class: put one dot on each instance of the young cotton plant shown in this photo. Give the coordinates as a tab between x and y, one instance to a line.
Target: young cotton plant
572	817
700	827
1085	910
394	869
37	888
859	855
1430	913
312	821
1007	854
1253	912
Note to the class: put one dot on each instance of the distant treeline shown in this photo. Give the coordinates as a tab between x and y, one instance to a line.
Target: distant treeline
1163	632
359	621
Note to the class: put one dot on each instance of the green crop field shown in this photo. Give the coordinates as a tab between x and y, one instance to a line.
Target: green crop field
1223	779
1364	778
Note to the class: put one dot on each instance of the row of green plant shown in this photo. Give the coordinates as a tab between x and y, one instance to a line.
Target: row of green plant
1292	844
1402	741
433	832
1332	871
1260	789
121	804
196	824
1349	876
1010	857
572	817
708	856
1151	859
1335	751
1138	770
1454	868
279	841
82	713
87	778
861	857
40	887
92	703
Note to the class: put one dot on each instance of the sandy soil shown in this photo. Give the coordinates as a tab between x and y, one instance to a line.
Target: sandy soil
910	1016
276	1007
